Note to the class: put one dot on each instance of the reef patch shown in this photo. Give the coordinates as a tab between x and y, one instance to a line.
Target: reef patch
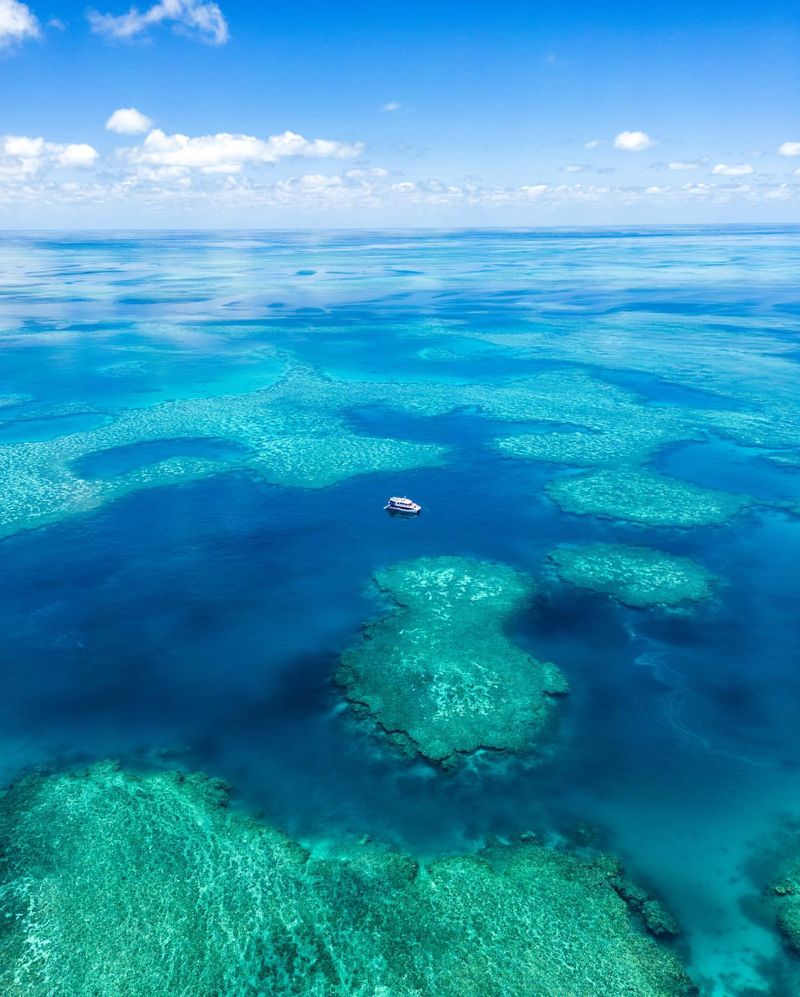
646	497
289	434
636	576
786	891
113	883
440	674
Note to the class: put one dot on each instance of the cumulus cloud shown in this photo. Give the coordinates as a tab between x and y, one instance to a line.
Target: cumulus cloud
789	149
128	121
199	18
633	141
17	23
22	157
22	147
149	192
574	168
227	153
76	155
592	143
393	105
724	170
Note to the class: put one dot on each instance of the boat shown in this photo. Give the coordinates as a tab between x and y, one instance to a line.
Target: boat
403	505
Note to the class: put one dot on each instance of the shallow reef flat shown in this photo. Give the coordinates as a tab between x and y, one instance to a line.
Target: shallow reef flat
114	883
751	378
636	576
293	433
289	434
607	424
645	497
439	673
296	433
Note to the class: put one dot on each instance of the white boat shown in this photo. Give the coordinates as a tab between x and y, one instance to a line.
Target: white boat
404	505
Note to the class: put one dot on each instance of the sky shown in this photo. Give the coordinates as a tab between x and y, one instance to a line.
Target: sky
196	114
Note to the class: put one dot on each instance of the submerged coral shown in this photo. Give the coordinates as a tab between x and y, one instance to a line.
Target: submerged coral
645	497
787	899
439	673
637	576
289	434
115	884
11	401
606	425
295	432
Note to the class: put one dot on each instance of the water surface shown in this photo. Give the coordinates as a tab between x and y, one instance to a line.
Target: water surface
198	621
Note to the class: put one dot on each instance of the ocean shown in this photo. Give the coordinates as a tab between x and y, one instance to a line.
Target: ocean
198	435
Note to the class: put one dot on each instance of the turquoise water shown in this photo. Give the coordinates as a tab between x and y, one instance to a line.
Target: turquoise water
197	437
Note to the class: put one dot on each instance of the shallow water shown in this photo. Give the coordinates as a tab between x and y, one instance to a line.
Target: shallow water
199	621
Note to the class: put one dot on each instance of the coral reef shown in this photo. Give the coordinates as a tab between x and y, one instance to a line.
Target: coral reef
637	576
751	385
786	892
295	432
11	401
113	884
289	434
608	426
439	672
645	497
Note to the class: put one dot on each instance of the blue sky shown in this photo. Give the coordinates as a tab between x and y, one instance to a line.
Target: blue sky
437	113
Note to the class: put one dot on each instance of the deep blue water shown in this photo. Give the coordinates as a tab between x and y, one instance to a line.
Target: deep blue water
199	624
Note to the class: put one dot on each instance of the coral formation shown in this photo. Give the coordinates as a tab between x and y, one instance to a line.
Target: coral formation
786	892
645	497
289	434
11	401
751	386
609	426
113	884
439	672
637	576
296	433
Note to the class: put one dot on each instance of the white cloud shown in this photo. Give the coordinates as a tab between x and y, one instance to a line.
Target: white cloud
359	174
17	22
574	168
633	141
75	155
592	143
226	153
393	105
202	19
170	192
22	157
789	149
683	166
128	121
723	170
23	147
